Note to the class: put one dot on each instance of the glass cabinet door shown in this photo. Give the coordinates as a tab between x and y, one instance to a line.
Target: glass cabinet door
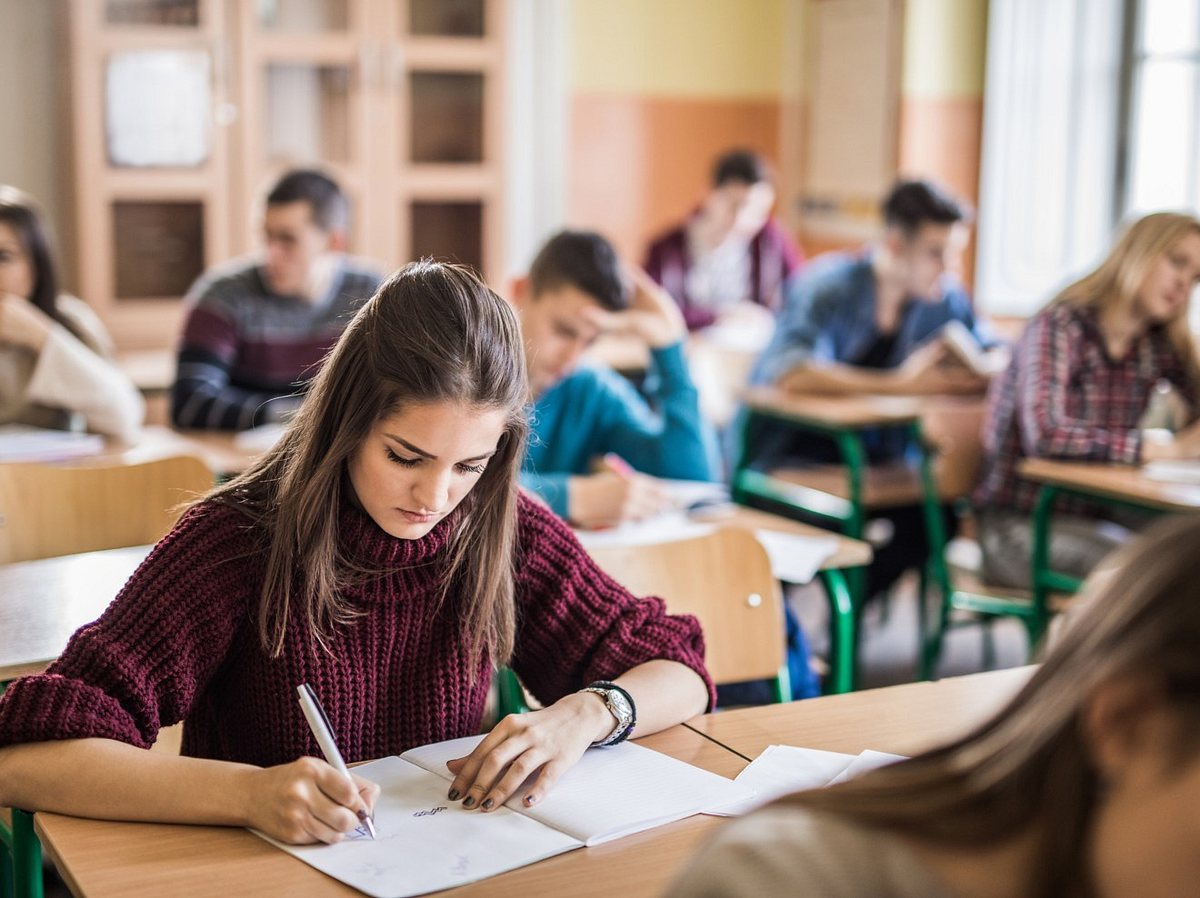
446	124
446	18
154	13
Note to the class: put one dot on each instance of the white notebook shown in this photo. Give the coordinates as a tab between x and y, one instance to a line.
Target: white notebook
426	842
21	443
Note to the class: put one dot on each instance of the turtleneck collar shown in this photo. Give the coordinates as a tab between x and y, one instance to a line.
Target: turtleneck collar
366	542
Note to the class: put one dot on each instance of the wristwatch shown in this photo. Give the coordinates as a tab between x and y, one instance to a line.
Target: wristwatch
620	705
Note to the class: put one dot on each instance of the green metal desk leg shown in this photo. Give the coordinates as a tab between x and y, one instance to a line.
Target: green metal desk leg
843	632
850	446
930	646
1040	573
781	686
6	872
27	857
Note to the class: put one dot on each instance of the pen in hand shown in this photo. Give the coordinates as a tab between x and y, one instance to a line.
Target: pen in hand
319	723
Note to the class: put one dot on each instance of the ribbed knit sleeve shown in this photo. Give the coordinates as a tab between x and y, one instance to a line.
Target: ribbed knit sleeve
577	624
141	666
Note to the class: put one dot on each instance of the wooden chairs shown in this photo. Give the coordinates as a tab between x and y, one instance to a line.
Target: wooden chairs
723	578
48	510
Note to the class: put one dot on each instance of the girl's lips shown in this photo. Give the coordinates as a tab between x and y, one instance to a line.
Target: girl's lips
416	518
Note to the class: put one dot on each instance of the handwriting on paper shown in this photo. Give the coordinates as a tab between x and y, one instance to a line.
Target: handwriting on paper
428	813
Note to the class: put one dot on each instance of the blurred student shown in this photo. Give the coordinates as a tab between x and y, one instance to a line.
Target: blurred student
1086	784
1081	379
597	444
258	327
383	552
870	323
55	356
729	251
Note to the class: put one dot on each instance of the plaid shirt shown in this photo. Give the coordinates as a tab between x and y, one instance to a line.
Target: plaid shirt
1063	397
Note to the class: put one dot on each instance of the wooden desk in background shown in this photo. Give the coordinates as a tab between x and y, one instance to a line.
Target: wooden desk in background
1104	483
101	859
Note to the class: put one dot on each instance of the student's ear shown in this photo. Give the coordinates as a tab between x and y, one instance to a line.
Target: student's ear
518	290
1121	721
336	242
894	241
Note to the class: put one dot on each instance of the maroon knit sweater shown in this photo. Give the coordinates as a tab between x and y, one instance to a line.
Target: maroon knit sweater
180	643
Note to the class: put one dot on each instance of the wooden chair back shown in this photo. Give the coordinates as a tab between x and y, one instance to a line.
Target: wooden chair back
724	578
48	510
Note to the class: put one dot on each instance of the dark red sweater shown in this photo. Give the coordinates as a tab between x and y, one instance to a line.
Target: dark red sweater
180	643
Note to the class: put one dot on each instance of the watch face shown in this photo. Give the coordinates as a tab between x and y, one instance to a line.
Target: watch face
620	705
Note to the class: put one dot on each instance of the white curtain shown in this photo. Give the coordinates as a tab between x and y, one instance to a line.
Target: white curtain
1050	136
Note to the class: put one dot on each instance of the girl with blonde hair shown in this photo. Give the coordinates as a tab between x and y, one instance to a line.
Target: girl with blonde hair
1086	784
1078	388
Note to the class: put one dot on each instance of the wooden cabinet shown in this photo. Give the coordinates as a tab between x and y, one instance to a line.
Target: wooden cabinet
185	111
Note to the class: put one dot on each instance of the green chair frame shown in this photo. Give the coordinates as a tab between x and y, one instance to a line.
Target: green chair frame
844	590
20	855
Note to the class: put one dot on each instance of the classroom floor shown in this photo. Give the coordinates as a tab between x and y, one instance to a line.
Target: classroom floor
888	652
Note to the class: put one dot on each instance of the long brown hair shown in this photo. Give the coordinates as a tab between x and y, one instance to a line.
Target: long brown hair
21	212
432	333
1029	768
1118	278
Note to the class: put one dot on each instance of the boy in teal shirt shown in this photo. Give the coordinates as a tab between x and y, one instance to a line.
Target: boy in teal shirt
597	443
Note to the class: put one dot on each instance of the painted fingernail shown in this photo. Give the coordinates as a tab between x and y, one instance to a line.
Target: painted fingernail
488	804
454	793
470	802
530	800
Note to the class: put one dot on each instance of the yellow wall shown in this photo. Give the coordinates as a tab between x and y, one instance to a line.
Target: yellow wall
945	44
705	48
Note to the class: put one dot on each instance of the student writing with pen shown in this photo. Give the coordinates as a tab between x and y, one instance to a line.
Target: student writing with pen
383	553
597	442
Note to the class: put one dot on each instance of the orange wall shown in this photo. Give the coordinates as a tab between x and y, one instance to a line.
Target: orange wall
639	164
659	89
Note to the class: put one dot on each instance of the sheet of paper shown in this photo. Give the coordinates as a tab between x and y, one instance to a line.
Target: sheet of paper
611	792
426	843
1175	471
21	443
796	558
259	439
783	769
867	760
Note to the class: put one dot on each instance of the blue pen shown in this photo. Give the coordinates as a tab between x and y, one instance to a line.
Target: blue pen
319	723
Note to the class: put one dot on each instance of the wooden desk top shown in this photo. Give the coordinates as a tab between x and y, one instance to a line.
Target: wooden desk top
101	858
215	447
848	412
1114	482
43	602
901	719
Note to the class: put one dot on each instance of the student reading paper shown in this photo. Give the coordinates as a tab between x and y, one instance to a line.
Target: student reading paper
382	552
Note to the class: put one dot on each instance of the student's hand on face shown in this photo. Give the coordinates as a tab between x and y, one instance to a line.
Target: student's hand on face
22	323
544	743
308	801
607	499
652	313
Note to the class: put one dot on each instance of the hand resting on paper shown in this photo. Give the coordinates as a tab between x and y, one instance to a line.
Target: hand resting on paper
308	801
546	743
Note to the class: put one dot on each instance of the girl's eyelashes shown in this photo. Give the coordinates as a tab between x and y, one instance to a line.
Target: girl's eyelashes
401	460
413	462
